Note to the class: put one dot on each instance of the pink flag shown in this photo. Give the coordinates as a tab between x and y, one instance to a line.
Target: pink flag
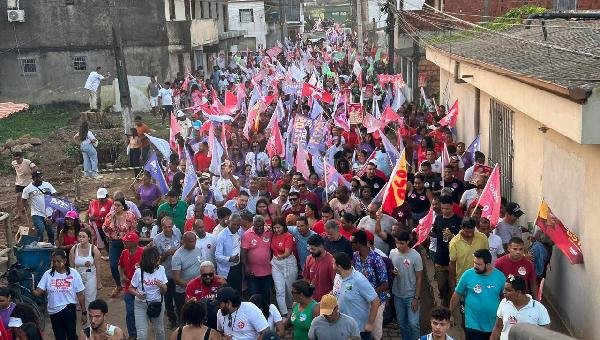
341	121
371	123
252	114
274	51
334	178
450	119
445	158
390	116
275	141
490	197
302	161
363	169
424	227
174	129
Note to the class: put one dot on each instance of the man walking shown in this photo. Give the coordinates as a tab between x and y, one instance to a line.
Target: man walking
184	266
462	247
23	170
35	193
128	261
332	324
256	258
91	86
153	88
318	269
228	252
100	329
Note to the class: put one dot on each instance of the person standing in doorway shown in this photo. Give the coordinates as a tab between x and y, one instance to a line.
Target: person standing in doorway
87	144
91	86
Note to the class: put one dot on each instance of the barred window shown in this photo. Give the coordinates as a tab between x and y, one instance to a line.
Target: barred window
247	15
29	65
79	63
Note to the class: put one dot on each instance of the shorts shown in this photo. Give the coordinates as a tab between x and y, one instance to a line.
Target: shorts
19	188
154	102
168	108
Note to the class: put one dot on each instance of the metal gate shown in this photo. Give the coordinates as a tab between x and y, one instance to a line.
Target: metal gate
501	144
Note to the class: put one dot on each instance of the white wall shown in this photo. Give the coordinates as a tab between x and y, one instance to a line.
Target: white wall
258	28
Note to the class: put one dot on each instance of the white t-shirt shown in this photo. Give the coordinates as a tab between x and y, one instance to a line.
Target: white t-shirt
207	246
210	210
185	127
259	162
150	287
496	248
469	196
62	289
274	317
532	313
469	174
246	322
35	196
93	81
89	138
166	96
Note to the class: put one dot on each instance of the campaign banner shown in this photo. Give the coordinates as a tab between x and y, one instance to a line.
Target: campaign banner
563	238
300	124
355	113
58	203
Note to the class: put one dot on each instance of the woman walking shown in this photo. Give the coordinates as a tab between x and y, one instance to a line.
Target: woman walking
64	288
193	316
304	310
284	265
85	256
67	237
148	285
117	224
148	194
87	144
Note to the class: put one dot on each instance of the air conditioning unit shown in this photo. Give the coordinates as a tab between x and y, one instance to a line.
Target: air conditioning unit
16	15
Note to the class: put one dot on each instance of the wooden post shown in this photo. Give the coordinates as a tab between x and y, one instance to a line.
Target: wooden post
5	219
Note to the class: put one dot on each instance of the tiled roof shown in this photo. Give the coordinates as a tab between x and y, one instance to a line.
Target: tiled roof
564	68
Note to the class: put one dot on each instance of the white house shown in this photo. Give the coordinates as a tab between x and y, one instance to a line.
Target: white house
249	15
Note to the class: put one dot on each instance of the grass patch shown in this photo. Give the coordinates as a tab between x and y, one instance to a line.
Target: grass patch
39	121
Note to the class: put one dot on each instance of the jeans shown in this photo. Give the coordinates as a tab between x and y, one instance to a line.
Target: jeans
260	285
234	278
141	321
64	323
135	155
90	159
473	334
285	272
169	299
408	320
115	247
179	302
129	314
40	225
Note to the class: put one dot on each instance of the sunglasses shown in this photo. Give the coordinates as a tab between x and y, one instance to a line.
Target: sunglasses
208	275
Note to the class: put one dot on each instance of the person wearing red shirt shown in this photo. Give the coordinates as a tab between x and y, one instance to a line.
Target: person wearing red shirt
128	261
296	207
306	195
516	264
97	211
209	223
326	215
347	225
318	269
351	137
284	264
206	285
202	159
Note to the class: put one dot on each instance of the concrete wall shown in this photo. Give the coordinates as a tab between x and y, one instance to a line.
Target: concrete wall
54	32
550	166
258	28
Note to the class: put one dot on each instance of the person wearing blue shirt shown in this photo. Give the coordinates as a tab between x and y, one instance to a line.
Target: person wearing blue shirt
355	294
227	252
301	232
481	287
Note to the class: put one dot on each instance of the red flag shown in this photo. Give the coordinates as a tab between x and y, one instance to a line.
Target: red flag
490	197
230	99
302	161
390	116
371	123
450	119
274	51
317	93
275	142
424	228
445	158
563	238
395	193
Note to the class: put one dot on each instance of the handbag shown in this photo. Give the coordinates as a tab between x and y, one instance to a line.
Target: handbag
154	308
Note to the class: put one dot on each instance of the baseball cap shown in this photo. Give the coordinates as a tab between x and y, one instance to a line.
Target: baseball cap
37	173
514	209
102	193
226	294
180	114
72	214
328	304
205	176
131	237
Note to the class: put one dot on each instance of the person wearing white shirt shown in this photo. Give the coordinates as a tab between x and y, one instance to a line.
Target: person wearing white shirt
228	250
518	307
91	86
239	320
165	96
494	241
185	124
206	242
479	159
259	161
149	284
35	193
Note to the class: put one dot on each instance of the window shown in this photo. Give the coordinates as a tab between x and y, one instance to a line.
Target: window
193	9
247	15
565	5
29	65
210	10
501	144
69	2
79	63
201	10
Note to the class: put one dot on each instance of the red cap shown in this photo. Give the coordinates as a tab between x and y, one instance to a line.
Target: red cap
131	237
370	236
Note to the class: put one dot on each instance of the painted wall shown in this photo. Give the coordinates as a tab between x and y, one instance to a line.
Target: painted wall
550	166
258	28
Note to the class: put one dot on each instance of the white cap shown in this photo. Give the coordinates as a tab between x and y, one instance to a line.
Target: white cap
180	114
102	193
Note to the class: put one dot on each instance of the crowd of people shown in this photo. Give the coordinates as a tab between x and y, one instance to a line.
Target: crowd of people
288	235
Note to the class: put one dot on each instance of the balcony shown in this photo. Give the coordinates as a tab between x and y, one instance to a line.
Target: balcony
186	35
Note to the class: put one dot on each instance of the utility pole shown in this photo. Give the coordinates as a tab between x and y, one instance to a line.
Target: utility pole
391	38
122	77
281	19
361	47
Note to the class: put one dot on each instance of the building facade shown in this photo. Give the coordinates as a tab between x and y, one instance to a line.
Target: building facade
249	16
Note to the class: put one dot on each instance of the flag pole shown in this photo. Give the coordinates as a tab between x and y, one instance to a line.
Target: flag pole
136	178
325	175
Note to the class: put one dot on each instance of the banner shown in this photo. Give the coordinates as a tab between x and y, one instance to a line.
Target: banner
490	198
320	128
300	124
424	228
479	169
58	203
422	80
563	238
355	113
395	193
153	167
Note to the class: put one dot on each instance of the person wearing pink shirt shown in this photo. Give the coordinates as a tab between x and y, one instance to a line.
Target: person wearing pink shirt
256	258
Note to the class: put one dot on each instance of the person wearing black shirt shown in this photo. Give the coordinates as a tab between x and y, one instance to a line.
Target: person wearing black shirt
373	181
445	226
418	198
335	242
430	178
449	181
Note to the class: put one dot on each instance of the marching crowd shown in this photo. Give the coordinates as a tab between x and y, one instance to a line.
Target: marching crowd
257	234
